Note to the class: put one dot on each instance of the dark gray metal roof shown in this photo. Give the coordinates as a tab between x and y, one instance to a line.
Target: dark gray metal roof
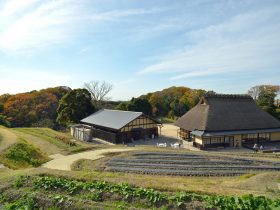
113	119
222	133
198	133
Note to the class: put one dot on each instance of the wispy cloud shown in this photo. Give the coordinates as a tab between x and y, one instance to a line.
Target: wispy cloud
246	42
36	24
117	14
33	26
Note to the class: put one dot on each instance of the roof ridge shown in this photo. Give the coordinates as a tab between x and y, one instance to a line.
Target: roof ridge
212	95
121	110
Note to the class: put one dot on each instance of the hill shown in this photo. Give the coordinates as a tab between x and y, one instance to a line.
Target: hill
171	102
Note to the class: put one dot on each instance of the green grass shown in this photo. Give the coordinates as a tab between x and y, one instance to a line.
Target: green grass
1	137
166	120
246	176
22	155
46	134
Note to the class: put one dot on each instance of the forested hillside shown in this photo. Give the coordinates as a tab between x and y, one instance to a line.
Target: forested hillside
171	102
35	108
40	108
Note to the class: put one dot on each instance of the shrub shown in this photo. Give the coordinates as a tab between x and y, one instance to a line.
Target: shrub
22	155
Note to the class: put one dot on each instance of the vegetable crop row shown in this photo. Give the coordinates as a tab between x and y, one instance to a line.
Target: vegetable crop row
182	162
175	172
247	202
194	167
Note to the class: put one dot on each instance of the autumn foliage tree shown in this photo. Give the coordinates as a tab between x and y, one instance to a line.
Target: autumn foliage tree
35	108
172	102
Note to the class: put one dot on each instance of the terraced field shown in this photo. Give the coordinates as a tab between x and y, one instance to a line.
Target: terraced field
178	164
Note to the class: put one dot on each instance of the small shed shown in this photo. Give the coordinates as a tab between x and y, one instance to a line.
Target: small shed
81	132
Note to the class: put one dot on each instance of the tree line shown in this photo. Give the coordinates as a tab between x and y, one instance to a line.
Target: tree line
266	98
172	102
60	107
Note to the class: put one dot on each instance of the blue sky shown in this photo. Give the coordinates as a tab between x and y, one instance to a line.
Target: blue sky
139	46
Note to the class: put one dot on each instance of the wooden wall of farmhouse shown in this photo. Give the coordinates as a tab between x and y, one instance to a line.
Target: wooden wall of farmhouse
275	136
140	122
104	135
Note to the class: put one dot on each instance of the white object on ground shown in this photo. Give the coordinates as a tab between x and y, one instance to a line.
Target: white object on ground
161	145
175	145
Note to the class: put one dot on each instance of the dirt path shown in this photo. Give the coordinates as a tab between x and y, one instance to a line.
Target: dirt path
8	138
42	144
169	130
62	162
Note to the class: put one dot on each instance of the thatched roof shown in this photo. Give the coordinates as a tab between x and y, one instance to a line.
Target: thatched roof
225	113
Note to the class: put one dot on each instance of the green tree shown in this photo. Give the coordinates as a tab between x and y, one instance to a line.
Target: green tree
122	106
1	107
74	106
266	100
140	105
4	121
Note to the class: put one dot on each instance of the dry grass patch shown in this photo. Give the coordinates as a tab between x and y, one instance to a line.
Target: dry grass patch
7	138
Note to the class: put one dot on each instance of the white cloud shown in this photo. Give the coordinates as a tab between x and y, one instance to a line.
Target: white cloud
41	25
117	14
247	42
29	25
14	6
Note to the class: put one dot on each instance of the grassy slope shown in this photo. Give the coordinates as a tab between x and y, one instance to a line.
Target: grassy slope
29	147
8	138
44	138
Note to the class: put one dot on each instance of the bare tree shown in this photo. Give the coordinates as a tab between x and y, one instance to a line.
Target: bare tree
99	91
256	90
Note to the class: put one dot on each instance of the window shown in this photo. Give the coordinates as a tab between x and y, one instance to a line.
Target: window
213	140
206	140
264	136
250	136
217	140
256	136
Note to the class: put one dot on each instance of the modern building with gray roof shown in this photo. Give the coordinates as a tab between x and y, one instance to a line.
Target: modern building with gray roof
118	126
227	120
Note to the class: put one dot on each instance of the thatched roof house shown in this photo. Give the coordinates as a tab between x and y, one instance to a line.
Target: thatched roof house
227	120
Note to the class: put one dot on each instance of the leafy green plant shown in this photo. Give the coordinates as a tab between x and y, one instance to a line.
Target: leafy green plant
23	155
26	202
246	202
19	181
